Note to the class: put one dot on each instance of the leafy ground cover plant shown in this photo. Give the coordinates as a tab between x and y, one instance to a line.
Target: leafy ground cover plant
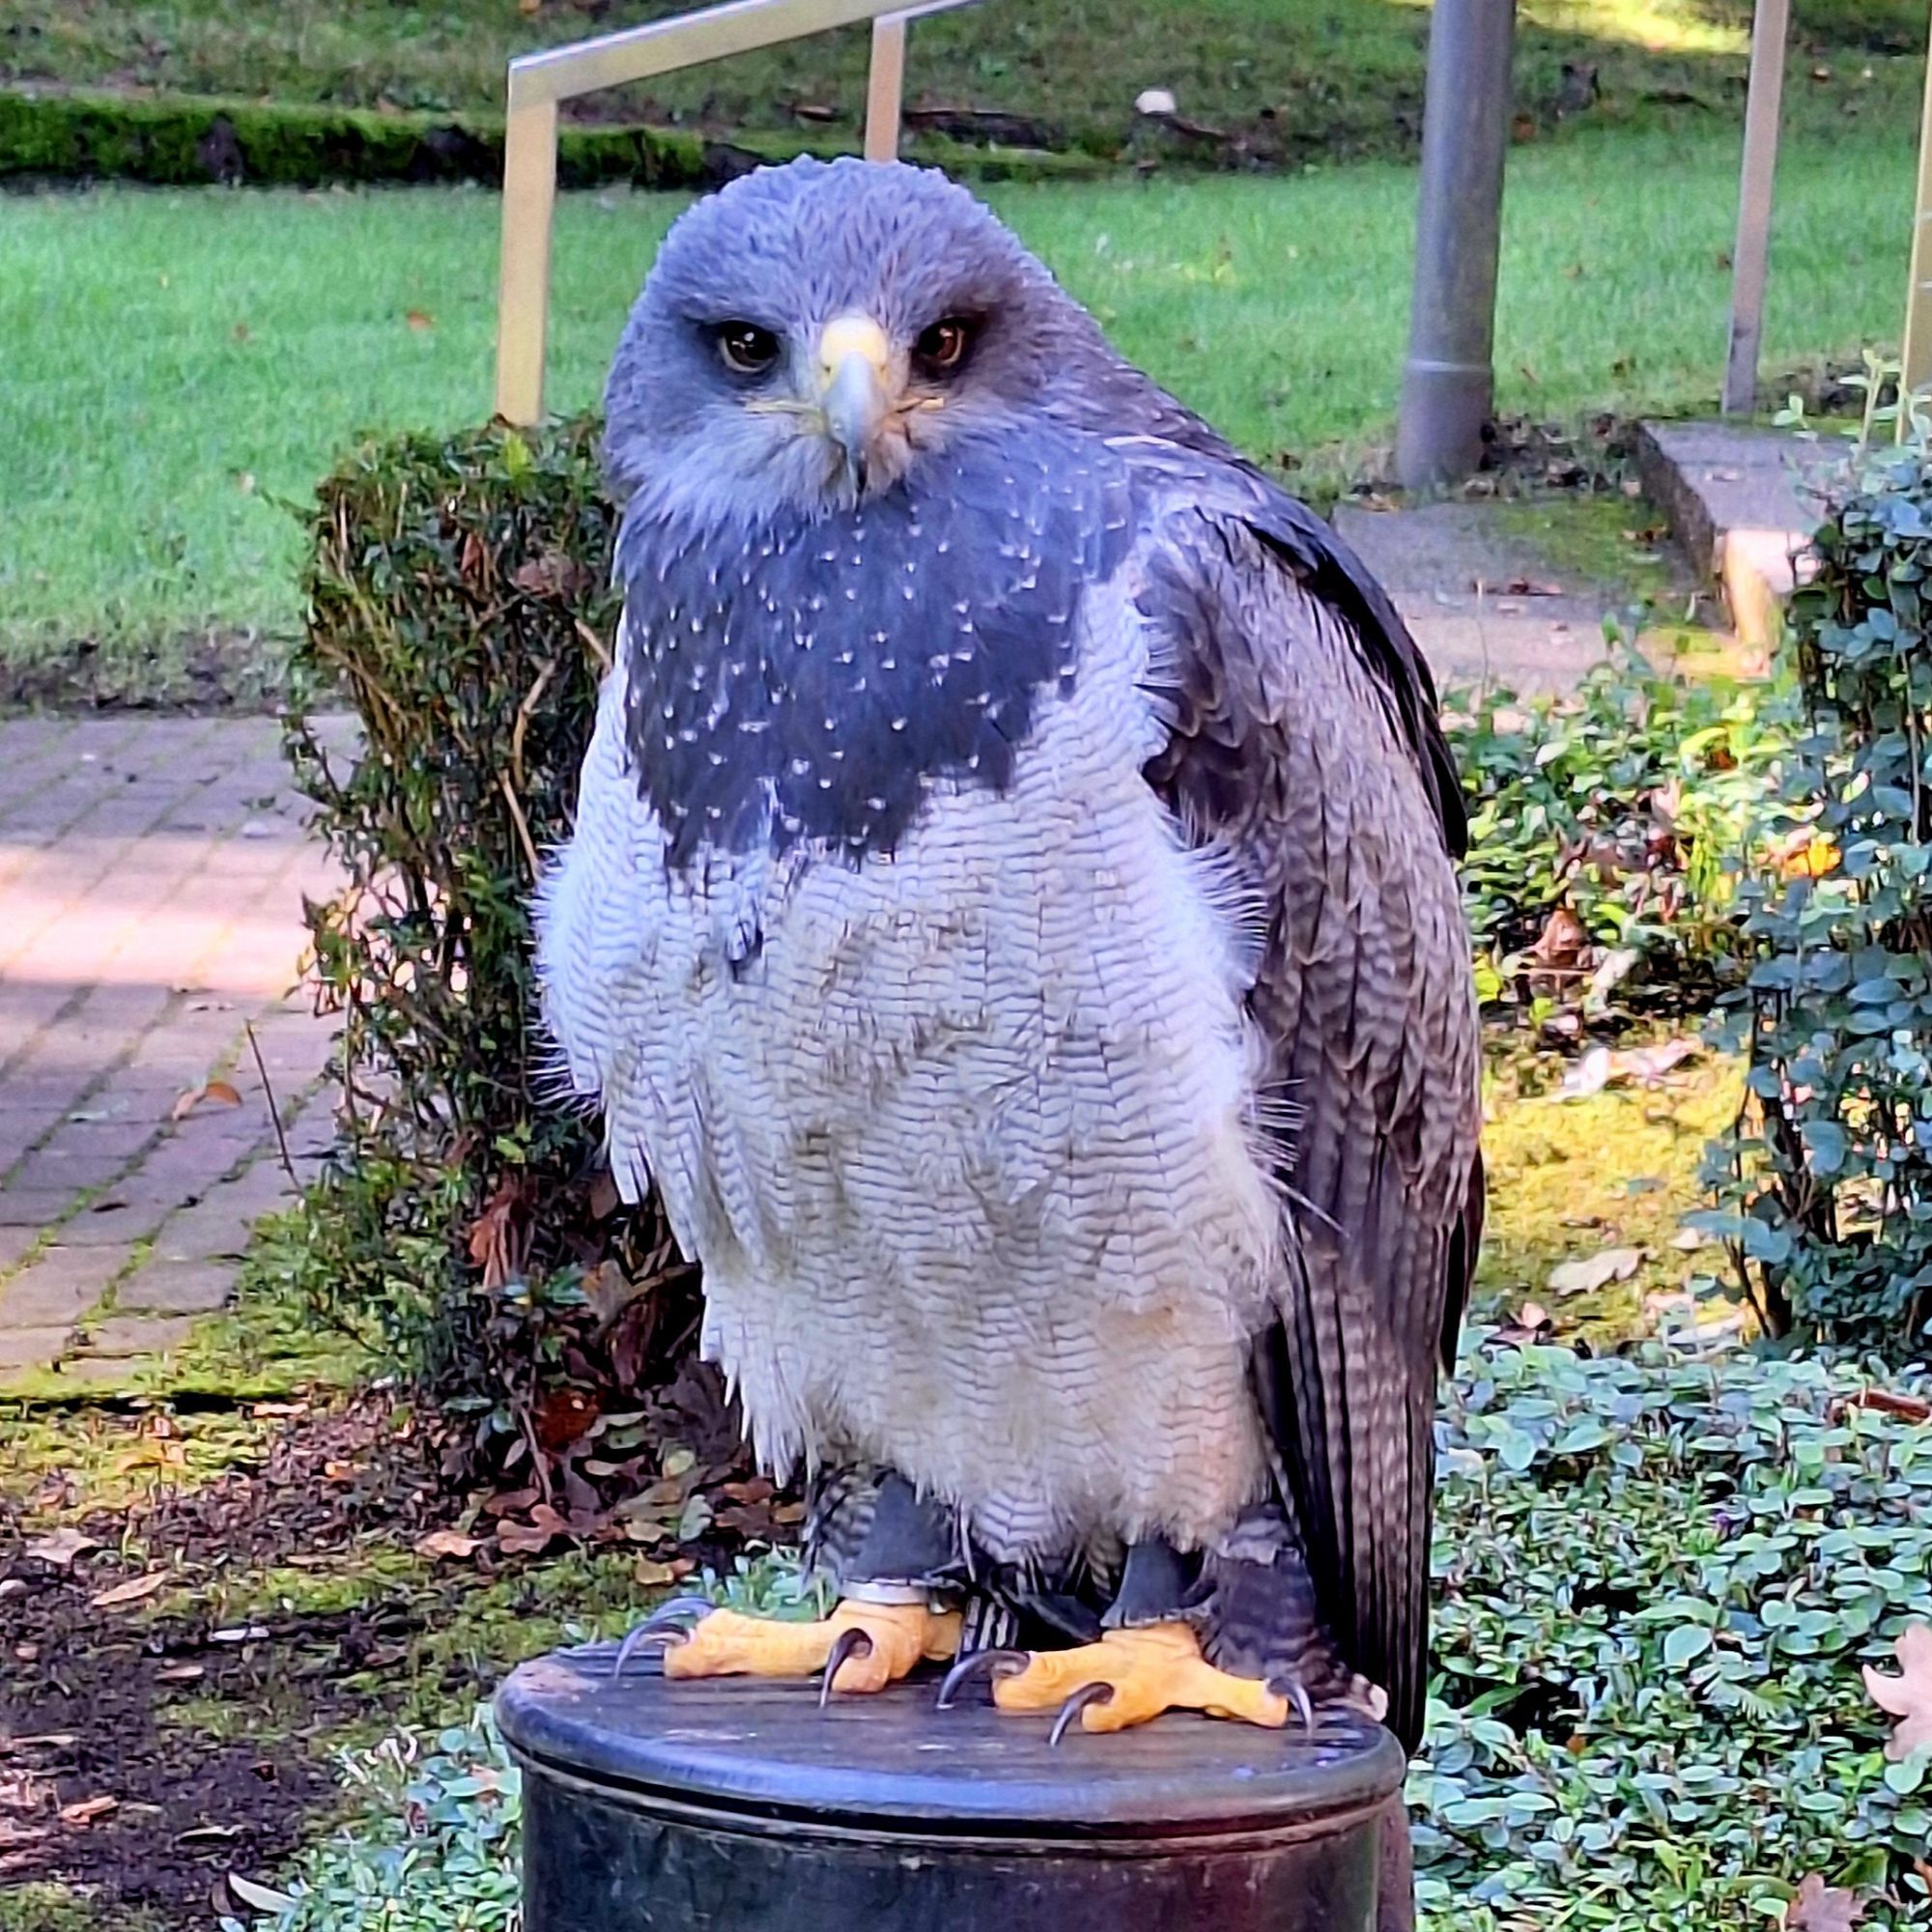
1826	1182
1605	826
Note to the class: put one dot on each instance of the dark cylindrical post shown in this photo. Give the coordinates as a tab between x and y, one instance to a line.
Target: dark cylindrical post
733	1806
1447	383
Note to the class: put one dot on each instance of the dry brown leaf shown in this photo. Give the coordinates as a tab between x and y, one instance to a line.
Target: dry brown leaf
132	1591
87	1809
1595	1271
419	318
647	1573
1907	1408
59	1546
1819	1907
448	1543
1908	1697
220	1091
181	1673
533	1538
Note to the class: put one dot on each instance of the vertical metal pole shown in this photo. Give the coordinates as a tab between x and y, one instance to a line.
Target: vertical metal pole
1752	254
1447	384
1917	358
523	299
885	88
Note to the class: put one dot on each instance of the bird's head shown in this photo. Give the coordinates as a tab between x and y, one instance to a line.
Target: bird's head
812	333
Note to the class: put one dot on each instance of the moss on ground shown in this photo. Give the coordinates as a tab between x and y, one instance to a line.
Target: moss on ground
55	1908
1568	1179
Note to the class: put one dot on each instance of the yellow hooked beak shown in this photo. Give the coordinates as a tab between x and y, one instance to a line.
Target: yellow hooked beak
854	370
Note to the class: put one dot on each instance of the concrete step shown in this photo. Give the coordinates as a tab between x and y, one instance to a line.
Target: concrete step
1742	502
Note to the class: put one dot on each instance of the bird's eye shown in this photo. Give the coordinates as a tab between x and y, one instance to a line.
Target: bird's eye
747	350
943	347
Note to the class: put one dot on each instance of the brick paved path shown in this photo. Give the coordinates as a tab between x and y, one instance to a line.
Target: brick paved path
151	873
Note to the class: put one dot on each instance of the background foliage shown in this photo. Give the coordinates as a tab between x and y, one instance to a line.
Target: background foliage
1827	1181
1605	827
458	598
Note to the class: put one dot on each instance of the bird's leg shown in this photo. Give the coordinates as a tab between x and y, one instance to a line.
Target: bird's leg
1150	1662
893	1614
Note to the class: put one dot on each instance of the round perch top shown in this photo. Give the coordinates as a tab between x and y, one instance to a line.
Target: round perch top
893	1761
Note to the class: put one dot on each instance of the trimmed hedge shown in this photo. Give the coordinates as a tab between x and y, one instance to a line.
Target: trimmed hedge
188	141
459	600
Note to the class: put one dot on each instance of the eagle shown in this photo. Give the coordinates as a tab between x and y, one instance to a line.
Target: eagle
1011	919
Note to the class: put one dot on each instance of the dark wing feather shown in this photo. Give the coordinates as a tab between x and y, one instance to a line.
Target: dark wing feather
1305	746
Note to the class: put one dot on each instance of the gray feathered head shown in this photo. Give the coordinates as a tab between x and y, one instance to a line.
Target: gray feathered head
812	332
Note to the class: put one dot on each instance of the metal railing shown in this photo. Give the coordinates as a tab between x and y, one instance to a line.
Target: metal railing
539	82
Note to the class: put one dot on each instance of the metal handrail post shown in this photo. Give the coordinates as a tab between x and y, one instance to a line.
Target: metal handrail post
1751	257
885	88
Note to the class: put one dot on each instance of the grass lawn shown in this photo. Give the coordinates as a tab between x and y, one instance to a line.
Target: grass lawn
1293	76
183	364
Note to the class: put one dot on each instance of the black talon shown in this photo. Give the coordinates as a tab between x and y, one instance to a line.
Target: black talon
999	1663
665	1625
850	1643
1297	1693
1088	1693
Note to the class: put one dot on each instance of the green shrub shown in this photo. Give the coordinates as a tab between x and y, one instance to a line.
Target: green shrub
1605	825
188	141
1656	1581
458	599
1827	1184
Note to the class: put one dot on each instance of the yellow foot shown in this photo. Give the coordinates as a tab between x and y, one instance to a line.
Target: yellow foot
1132	1675
870	1645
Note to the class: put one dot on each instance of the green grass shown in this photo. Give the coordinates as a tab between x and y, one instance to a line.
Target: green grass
1292	77
181	363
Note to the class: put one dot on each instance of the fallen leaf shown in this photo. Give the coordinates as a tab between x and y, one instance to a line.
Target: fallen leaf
610	1291
87	1809
260	1897
242	331
61	1547
1590	1075
650	1575
1907	1408
561	1415
1688	1240
448	1543
220	1091
208	1834
1819	1907
1527	586
419	318
1908	1697
1598	1271
605	1200
132	1591
179	1673
533	1538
